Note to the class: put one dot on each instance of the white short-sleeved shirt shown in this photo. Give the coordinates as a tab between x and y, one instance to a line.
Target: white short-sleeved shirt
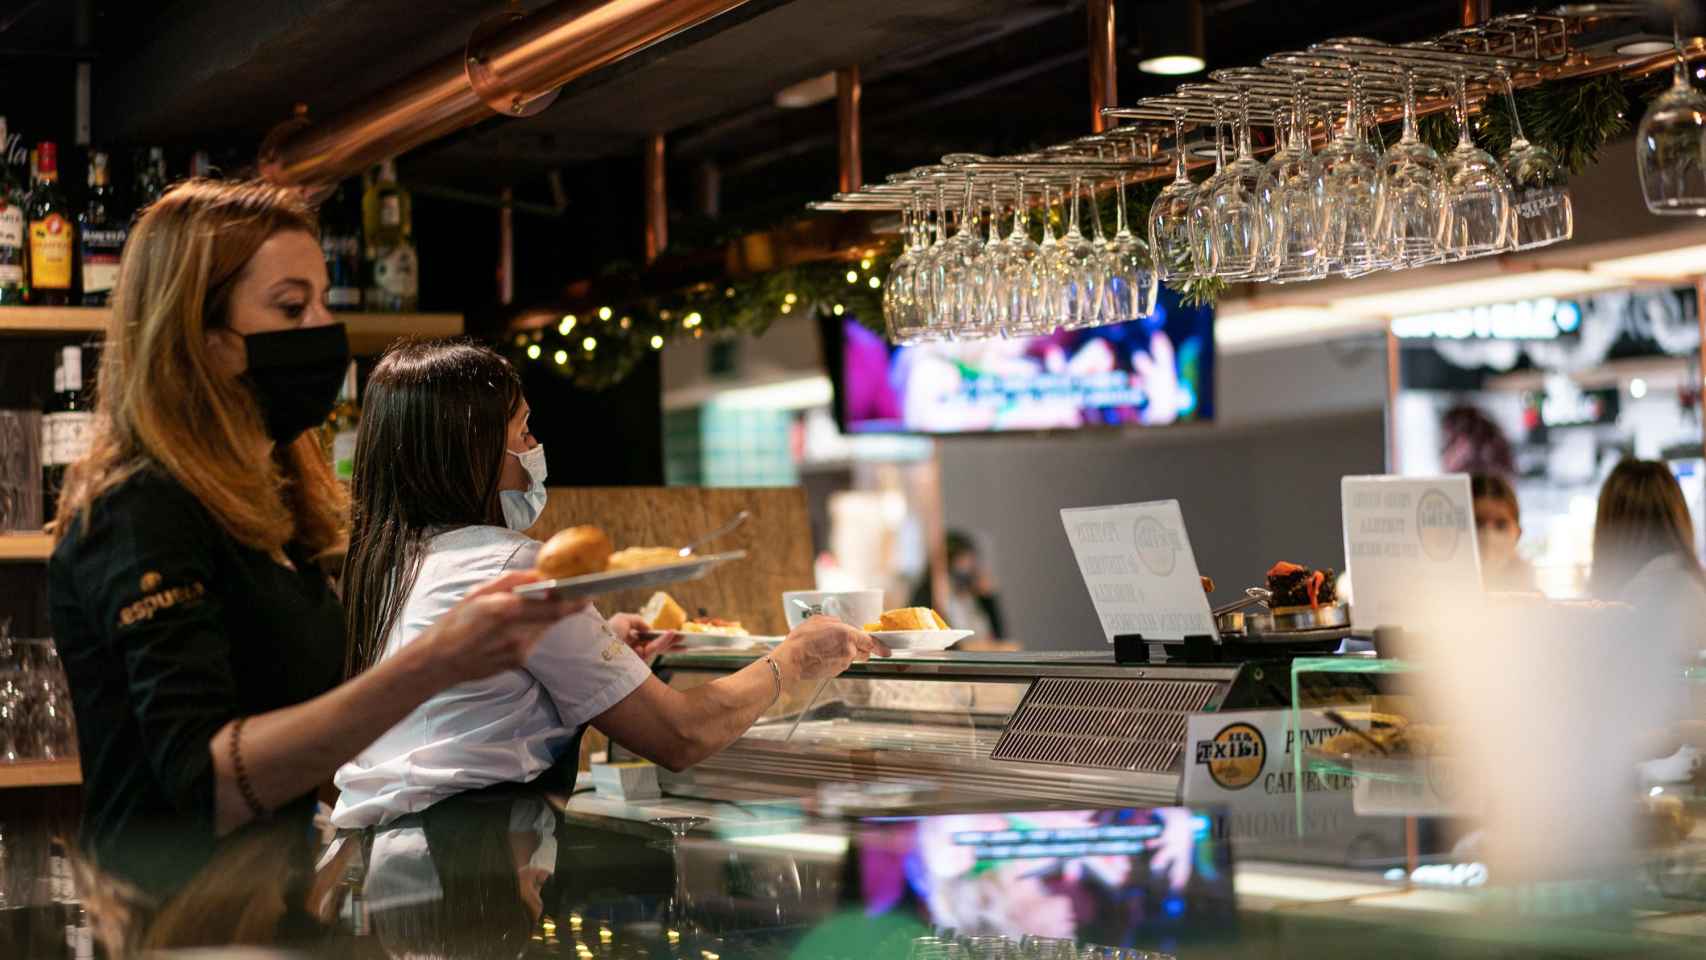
507	728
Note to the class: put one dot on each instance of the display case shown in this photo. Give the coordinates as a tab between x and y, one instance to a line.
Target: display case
1061	728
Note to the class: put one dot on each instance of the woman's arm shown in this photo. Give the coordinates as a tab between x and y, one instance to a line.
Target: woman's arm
678	728
288	752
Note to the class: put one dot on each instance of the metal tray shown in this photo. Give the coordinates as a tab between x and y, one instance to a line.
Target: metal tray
594	584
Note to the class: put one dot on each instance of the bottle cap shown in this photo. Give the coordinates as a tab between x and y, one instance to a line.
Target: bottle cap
47	159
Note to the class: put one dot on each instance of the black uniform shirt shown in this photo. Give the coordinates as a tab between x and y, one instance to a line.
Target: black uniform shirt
169	628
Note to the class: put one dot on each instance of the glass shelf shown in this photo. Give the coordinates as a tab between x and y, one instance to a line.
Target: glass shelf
1352	663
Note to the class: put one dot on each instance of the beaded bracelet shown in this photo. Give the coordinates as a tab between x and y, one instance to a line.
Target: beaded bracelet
244	787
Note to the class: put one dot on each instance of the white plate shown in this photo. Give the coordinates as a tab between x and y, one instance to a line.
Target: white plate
921	639
688	641
610	581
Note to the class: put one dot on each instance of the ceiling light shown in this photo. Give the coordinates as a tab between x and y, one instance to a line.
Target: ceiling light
807	93
1680	263
1641	48
1501	288
1637	388
1172	65
561	356
1172	35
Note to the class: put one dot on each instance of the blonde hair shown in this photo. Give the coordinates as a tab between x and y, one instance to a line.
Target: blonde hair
161	401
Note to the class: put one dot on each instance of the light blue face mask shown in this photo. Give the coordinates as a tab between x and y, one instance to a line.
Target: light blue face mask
523	507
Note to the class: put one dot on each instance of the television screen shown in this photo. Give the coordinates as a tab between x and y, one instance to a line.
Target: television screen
1116	877
1151	372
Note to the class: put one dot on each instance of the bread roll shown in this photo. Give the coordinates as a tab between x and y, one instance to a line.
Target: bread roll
574	552
913	618
662	613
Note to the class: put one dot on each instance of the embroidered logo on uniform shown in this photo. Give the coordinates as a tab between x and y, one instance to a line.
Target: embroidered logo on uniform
153	603
150	581
615	648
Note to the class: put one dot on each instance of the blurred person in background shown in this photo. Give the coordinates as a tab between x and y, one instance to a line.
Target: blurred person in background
1643	553
1498	527
972	602
1474	443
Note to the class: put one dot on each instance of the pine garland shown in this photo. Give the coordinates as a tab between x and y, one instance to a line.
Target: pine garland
1573	118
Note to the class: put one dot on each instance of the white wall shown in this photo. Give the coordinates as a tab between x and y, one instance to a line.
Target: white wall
1259	485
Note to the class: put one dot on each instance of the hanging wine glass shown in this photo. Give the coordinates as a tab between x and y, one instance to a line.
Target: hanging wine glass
1295	195
928	286
1130	266
900	292
1170	214
987	313
1474	218
961	267
1668	146
1350	174
1017	266
1085	268
1051	276
1204	251
1541	211
1242	225
1412	181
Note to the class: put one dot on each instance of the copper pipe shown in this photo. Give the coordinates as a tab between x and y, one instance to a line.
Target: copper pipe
519	64
1471	12
657	201
1104	75
506	246
709	181
849	91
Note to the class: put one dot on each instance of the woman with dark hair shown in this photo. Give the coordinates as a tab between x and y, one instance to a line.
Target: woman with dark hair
1498	527
447	476
1643	550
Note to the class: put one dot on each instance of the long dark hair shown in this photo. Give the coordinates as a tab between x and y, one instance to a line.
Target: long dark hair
1642	516
428	455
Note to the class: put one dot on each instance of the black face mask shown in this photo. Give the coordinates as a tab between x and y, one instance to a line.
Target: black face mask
295	375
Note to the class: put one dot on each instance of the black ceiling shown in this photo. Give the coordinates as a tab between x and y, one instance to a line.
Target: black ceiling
940	75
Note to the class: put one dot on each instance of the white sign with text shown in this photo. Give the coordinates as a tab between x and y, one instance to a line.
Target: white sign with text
1138	566
1244	762
1409	547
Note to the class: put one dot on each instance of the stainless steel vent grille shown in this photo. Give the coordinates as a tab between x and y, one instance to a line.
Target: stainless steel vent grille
1113	724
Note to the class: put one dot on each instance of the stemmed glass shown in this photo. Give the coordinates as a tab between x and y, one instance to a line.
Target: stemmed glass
1048	948
928	286
1018	266
1668	146
1475	210
900	293
1132	280
1170	214
1051	276
1205	251
962	269
1085	267
1350	174
987	314
1296	191
1541	211
676	917
1243	225
1412	180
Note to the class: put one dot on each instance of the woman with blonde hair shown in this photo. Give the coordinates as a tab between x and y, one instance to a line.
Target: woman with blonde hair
203	641
1643	553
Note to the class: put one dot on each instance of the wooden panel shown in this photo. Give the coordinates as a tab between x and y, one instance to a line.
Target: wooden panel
53	319
777	540
25	546
40	773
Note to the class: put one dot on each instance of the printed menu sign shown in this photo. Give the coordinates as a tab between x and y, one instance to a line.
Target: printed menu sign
1409	546
1138	566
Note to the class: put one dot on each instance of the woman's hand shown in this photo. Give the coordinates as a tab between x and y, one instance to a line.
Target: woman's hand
630	628
491	630
822	647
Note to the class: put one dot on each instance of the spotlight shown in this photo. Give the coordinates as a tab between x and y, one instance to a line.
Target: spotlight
1173	38
533	351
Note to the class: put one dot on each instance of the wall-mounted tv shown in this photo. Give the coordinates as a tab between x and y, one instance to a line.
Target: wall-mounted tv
1149	372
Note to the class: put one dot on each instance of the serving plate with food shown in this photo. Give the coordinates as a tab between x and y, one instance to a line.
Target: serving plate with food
1298	605
581	562
915	628
664	615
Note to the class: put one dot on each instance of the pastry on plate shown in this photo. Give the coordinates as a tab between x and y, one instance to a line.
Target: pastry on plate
574	552
639	558
662	613
911	618
715	625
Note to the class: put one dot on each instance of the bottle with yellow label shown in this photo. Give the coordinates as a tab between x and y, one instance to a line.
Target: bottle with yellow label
52	233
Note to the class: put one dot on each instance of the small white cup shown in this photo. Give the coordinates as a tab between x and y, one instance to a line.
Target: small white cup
856	607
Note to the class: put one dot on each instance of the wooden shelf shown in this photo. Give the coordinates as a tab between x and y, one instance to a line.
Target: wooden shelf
40	773
369	333
25	546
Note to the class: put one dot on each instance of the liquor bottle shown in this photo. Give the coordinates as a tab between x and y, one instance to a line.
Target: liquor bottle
150	179
12	228
101	234
341	426
387	222
52	235
66	425
340	240
201	164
